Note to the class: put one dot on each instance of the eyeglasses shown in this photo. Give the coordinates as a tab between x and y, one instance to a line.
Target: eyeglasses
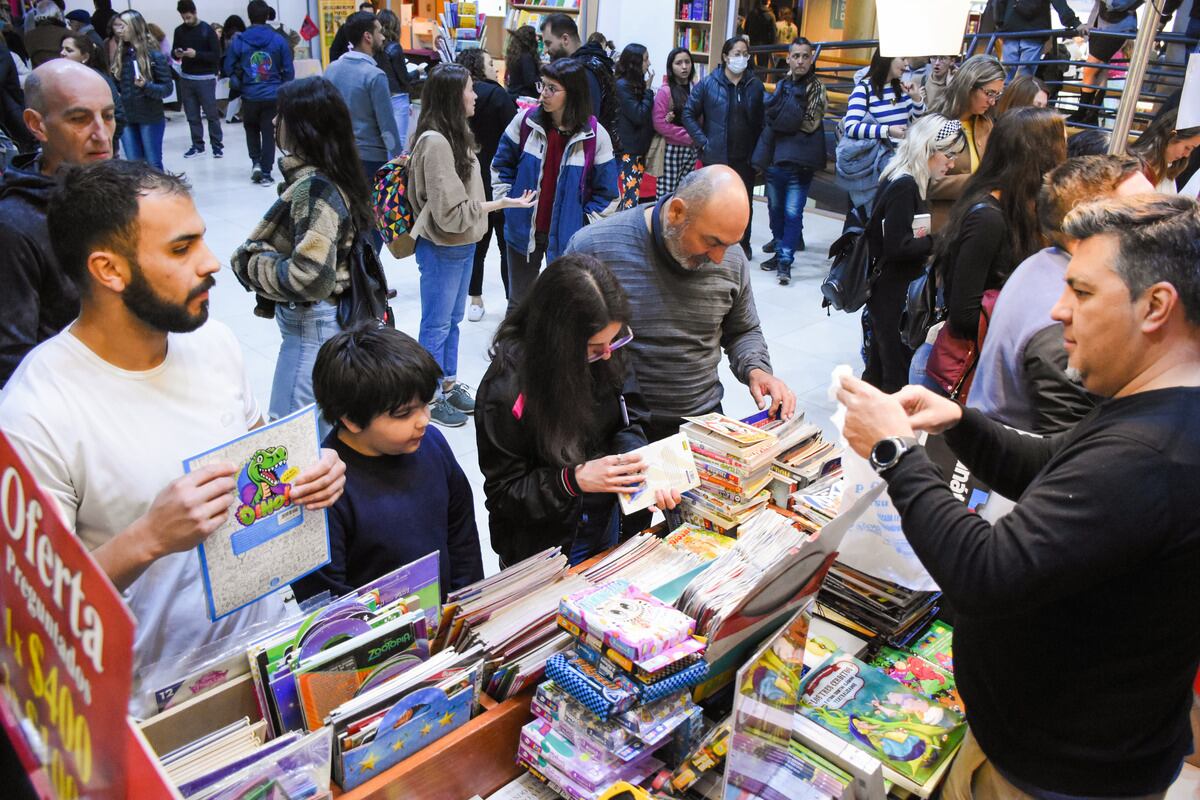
599	351
992	94
548	89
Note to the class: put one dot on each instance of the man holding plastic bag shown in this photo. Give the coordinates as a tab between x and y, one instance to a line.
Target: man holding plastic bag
1103	546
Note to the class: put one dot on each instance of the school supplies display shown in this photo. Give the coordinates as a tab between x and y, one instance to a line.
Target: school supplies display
267	541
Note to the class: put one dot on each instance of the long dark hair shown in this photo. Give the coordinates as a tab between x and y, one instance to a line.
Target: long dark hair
316	128
233	26
545	341
631	67
573	77
442	111
389	23
679	92
877	76
97	57
521	41
1025	145
1151	146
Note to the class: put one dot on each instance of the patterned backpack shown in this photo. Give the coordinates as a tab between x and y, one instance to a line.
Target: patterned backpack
393	212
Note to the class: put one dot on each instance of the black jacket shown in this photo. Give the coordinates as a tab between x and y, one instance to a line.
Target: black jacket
522	77
494	109
531	504
602	85
782	142
340	45
38	300
203	39
393	63
1032	15
12	102
709	110
635	123
144	104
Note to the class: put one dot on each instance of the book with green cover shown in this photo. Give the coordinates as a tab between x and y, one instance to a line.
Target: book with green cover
910	734
919	674
937	645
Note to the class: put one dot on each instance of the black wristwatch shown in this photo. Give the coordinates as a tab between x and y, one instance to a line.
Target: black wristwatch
887	452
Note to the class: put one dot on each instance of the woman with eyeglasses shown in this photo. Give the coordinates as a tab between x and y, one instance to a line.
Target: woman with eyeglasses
970	98
557	411
559	150
902	242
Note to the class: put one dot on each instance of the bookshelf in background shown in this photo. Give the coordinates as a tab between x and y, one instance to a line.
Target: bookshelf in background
695	30
530	12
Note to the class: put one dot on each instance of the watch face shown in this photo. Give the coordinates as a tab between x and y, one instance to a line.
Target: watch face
885	451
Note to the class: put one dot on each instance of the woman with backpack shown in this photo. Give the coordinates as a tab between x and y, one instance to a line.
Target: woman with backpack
992	228
878	113
680	152
790	150
724	115
391	60
144	76
635	125
560	151
450	214
929	149
299	254
970	98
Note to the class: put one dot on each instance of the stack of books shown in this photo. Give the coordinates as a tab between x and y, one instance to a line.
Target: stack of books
734	460
616	706
874	608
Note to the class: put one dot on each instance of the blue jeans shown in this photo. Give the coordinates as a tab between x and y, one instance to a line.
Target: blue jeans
787	192
143	142
400	112
1021	50
304	330
445	273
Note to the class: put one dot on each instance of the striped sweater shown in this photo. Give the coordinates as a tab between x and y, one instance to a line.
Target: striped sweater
886	112
300	250
681	319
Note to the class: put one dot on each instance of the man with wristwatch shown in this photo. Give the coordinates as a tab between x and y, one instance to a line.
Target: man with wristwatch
1077	632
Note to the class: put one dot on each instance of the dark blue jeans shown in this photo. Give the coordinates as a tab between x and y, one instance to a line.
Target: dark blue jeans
787	192
143	142
197	96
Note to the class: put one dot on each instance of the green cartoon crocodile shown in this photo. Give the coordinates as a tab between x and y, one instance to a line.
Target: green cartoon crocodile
263	474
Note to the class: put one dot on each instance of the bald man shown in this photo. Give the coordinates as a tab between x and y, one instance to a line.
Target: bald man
689	295
71	112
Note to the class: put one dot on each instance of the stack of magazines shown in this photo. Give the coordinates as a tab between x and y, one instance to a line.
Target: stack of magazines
873	608
734	460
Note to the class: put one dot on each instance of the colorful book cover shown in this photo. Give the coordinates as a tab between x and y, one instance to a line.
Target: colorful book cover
627	619
937	645
421	578
669	466
267	542
920	675
910	734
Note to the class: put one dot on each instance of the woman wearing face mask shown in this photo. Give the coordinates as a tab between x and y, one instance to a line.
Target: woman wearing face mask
450	215
299	254
790	150
931	147
724	116
669	102
494	109
635	128
79	47
970	98
878	113
562	153
559	410
144	77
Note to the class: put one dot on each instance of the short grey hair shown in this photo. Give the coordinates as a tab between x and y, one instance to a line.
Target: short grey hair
48	10
1158	241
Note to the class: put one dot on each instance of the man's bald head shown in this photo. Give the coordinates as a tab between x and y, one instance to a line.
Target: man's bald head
707	215
70	109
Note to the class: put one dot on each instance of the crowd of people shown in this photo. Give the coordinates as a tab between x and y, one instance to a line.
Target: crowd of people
618	315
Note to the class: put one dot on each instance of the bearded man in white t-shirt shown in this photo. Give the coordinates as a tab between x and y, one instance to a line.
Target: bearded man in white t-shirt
105	412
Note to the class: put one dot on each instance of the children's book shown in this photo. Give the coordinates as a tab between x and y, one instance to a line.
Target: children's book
908	733
920	675
669	465
626	619
267	541
937	645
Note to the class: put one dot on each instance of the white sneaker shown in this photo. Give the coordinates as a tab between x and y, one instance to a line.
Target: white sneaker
475	312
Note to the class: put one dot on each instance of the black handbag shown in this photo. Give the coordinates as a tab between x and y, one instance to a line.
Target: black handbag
366	298
923	308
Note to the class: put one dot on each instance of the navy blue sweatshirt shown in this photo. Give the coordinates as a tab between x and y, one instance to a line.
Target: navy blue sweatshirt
396	509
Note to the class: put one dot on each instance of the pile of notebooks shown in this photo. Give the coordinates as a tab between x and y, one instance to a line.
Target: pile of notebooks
616	706
234	762
873	608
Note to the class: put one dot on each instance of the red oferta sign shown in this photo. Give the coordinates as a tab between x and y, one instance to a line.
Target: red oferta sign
68	645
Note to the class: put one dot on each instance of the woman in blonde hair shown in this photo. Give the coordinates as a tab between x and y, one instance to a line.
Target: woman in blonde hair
144	77
969	98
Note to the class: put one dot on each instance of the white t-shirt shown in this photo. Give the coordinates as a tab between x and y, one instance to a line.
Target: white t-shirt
105	441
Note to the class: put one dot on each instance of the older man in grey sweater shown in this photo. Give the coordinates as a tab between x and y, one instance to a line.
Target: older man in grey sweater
689	294
364	87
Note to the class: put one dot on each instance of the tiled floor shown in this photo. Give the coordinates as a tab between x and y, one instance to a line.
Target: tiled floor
805	343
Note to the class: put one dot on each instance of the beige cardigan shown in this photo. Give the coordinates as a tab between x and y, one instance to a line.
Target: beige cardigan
446	211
